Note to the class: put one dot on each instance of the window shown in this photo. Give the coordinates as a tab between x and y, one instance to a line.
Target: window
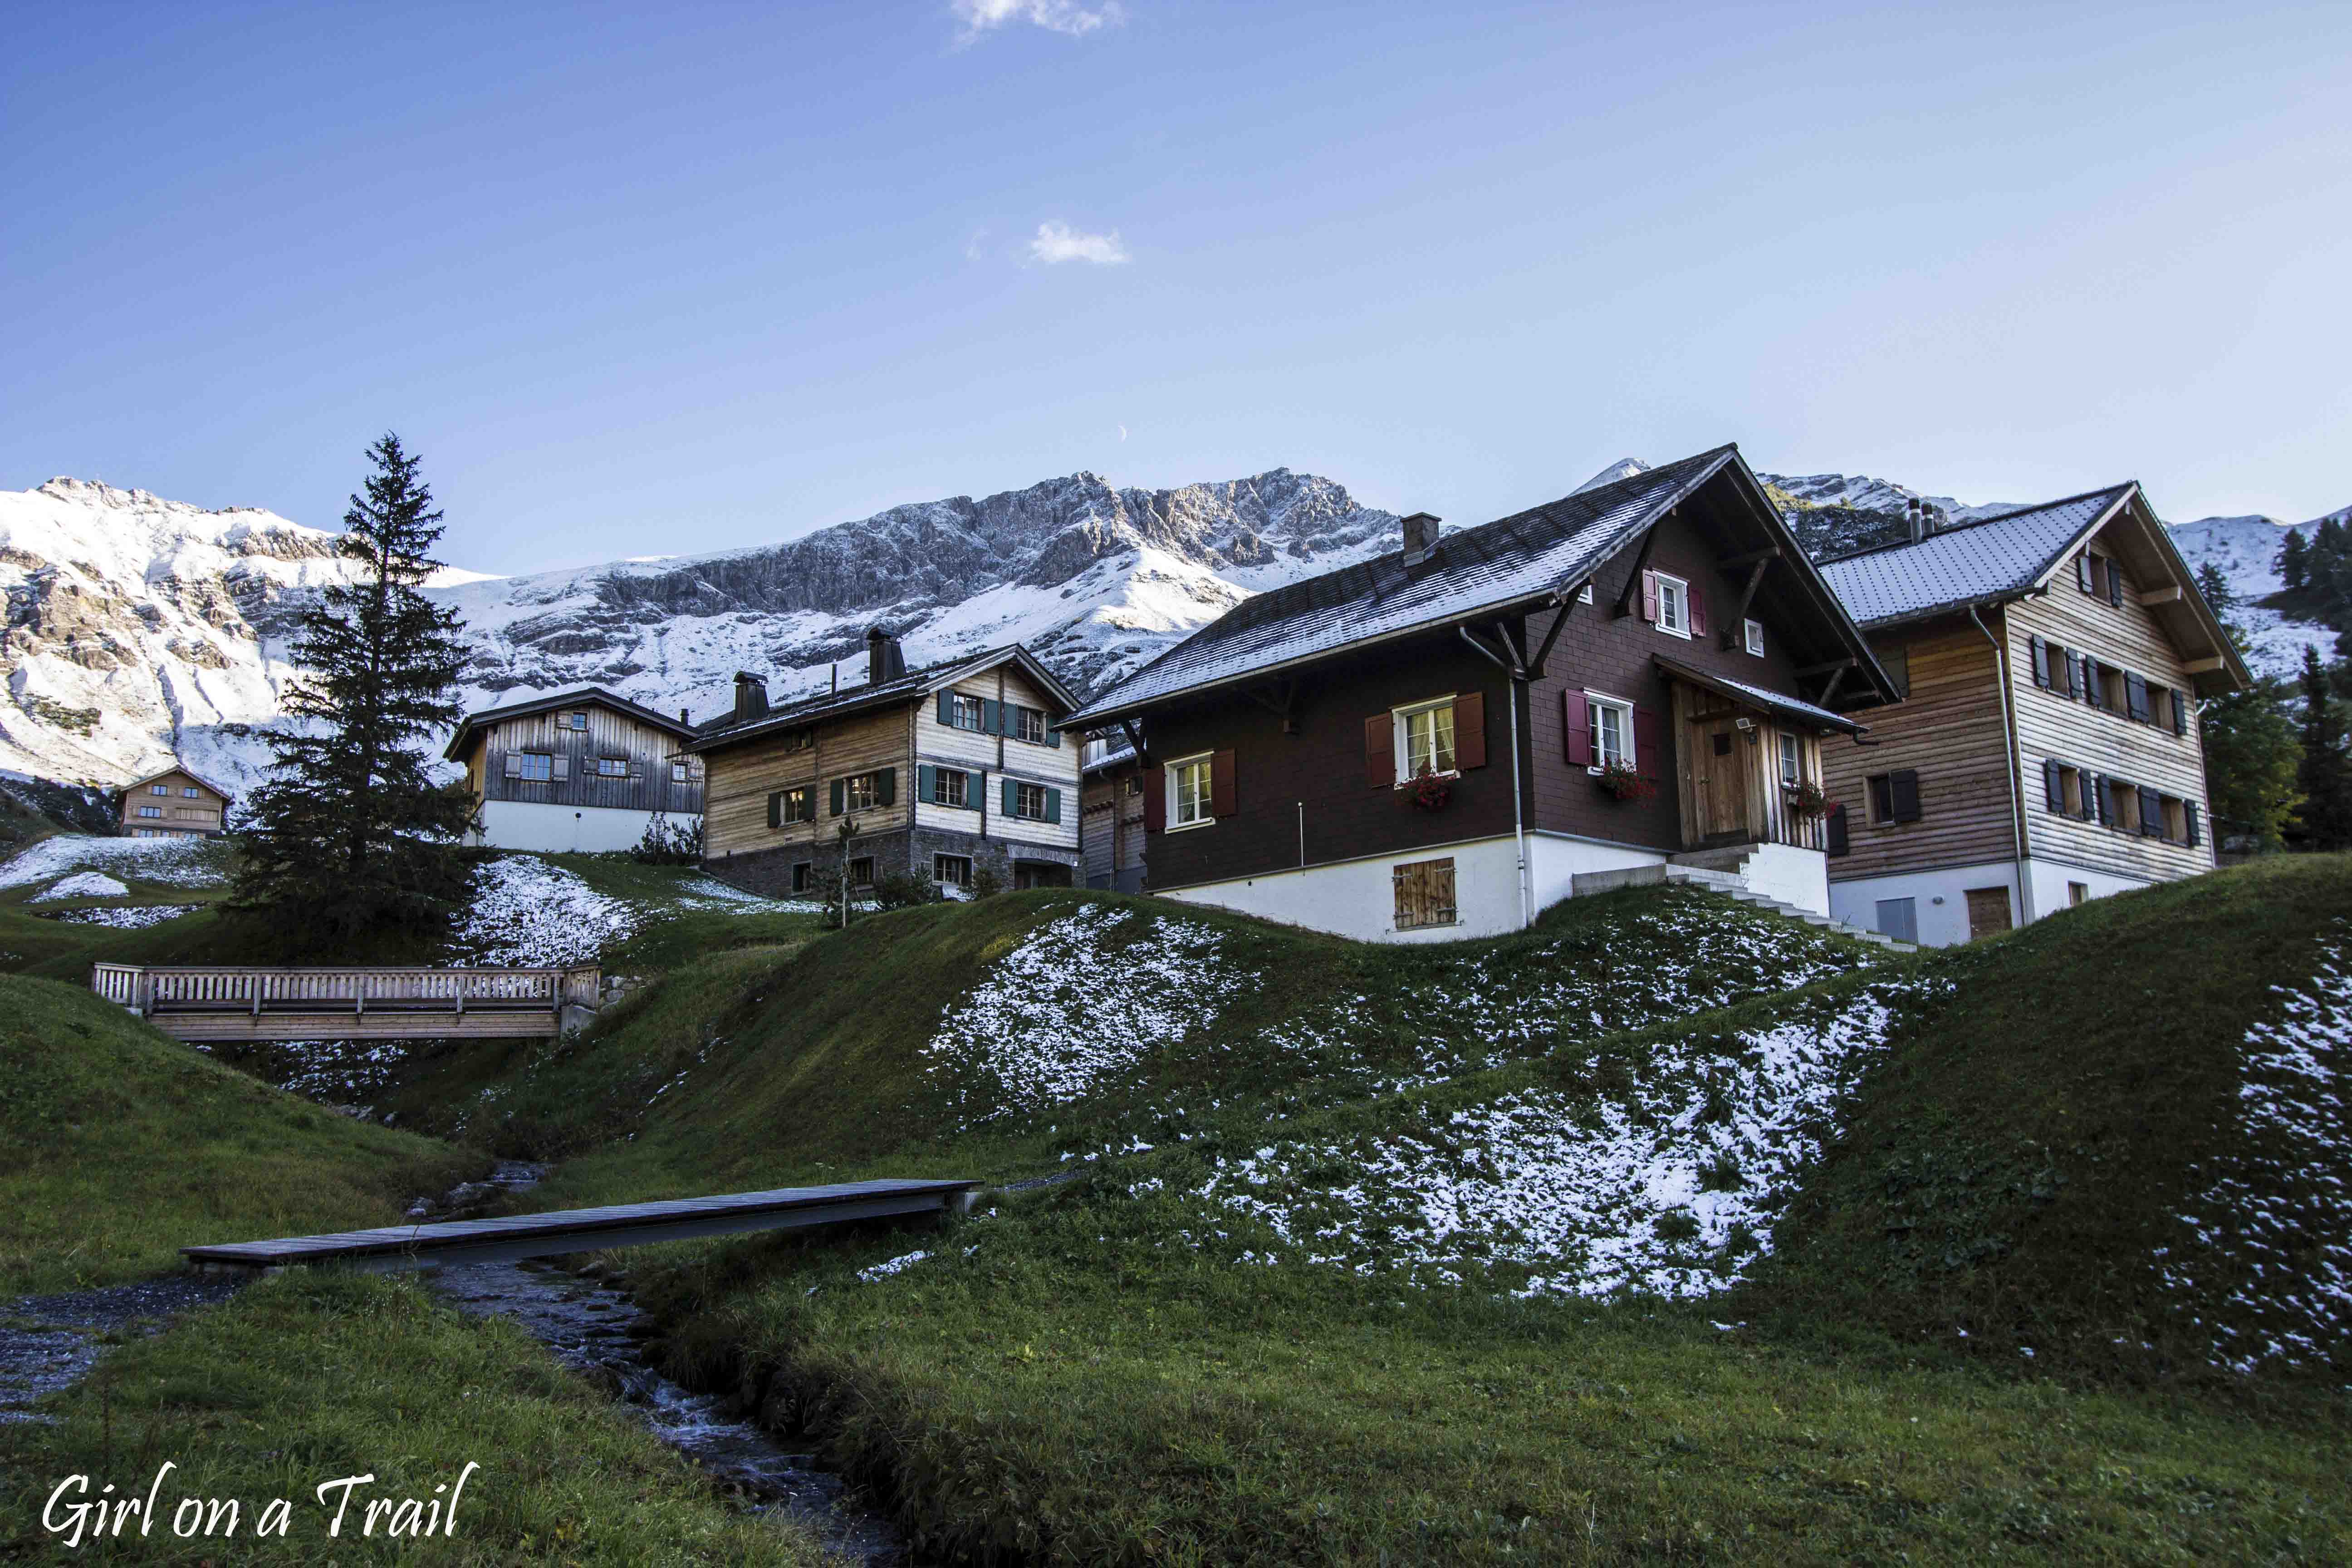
535	766
1029	802
1613	731
2065	789
790	805
1673	606
150	810
861	871
146	833
1188	794
1752	637
1898	918
1425	894
1793	769
1894	797
950	786
951	870
1424	740
189	792
1584	594
2077	893
1135	786
680	774
2099	576
800	875
964	713
1896	662
159	789
862	793
612	767
1029	724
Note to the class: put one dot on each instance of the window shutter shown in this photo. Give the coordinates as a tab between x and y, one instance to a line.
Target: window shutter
2179	711
927	783
1380	752
947	708
514	765
1053	804
2095	787
1696	599
776	809
2053	785
1469	730
2151	813
2082	572
1053	736
2188	814
991	717
2041	663
885	787
1221	785
1650	597
1578	715
1839	844
2136	697
1648	749
562	767
2114	583
1012	792
2091	693
837	796
1155	799
1902	789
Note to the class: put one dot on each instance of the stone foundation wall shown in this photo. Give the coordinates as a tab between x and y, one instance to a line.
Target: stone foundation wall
770	871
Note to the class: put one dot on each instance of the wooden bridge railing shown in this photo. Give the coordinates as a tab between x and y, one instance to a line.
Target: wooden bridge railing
150	990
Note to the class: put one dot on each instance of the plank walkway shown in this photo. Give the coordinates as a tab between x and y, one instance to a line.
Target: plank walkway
351	1002
393	1248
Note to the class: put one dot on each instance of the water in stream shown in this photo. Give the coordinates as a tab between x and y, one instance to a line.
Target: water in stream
598	1330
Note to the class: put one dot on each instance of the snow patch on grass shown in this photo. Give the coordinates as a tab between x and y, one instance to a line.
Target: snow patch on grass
2277	1215
120	916
884	1270
82	885
528	915
1666	1186
1079	999
173	862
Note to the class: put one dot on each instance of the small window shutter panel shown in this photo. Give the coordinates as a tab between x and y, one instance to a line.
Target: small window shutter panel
1902	789
1380	752
563	768
2179	711
1648	748
1650	597
2091	693
1053	804
1221	785
1012	799
1839	844
776	809
1053	736
837	796
2114	583
2188	814
514	765
1578	715
1155	799
2082	572
927	783
1696	598
2053	785
1469	730
991	720
885	787
2041	663
2136	697
2151	813
947	708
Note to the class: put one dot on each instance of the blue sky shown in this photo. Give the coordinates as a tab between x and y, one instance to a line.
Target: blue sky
645	280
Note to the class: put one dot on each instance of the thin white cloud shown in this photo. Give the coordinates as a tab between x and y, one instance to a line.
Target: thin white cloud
1069	17
1058	242
977	245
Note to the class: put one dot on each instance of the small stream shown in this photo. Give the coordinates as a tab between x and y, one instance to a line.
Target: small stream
598	1330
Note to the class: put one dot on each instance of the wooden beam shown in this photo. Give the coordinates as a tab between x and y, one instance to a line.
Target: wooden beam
1734	563
1733	626
1825	668
1536	665
1633	579
1134	741
1282	704
1837	678
2206	666
2171	596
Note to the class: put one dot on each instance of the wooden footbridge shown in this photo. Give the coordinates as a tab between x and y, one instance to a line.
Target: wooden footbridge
395	1248
353	1003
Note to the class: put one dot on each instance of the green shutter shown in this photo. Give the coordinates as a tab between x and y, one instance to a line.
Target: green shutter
927	783
1053	736
836	796
1012	799
990	719
972	785
776	809
947	708
1053	804
885	787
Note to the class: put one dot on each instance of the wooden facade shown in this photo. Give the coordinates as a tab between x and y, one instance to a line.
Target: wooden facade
174	803
581	749
1110	816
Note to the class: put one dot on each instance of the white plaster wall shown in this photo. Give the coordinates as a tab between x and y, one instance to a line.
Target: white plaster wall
1794	875
1357	897
1557	860
554	829
2050	879
1941	924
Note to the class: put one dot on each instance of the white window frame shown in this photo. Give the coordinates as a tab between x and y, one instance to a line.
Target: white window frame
1680	627
939	867
680	774
1401	743
1789	756
1022	792
960	704
524	773
1022	715
1594	702
1752	637
1204	798
1584	594
612	767
961	789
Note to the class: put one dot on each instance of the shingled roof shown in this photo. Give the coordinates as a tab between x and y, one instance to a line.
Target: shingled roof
726	730
1973	563
1534	556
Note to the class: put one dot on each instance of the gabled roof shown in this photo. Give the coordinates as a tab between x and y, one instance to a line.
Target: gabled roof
577	697
1970	563
1533	558
176	768
911	687
1759	696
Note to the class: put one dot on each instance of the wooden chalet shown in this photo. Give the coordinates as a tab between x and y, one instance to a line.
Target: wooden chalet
174	803
580	770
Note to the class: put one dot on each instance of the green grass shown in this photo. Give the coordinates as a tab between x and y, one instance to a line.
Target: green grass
315	1376
119	1146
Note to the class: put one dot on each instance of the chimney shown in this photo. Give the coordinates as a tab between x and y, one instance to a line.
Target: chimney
751	696
883	660
686	717
1915	520
1420	538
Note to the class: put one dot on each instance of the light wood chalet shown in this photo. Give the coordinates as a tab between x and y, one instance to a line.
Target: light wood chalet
2045	750
580	770
1111	815
944	774
174	803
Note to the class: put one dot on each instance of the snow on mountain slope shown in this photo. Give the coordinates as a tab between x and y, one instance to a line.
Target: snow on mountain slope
2246	550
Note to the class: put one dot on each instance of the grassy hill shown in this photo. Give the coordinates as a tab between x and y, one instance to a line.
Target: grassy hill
119	1146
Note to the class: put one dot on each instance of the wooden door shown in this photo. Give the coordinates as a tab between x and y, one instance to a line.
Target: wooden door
1721	764
1987	911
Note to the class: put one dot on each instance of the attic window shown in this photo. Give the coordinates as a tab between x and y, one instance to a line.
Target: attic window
1752	634
159	789
1673	606
574	720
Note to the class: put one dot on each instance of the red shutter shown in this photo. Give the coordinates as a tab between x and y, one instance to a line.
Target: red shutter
1221	785
1579	718
1379	752
1697	610
1650	597
1648	747
1469	730
1155	799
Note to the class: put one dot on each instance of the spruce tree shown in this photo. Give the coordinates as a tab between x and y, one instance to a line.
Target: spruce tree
2249	739
2324	820
2290	563
349	834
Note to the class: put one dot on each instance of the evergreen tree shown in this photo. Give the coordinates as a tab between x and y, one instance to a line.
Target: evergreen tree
349	834
2251	751
2290	562
2324	820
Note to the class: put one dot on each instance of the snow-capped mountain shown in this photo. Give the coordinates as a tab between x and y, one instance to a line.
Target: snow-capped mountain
2246	550
141	629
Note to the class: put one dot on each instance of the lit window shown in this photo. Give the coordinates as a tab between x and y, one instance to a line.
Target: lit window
862	793
951	870
798	804
536	765
1754	631
1673	606
1424	740
1612	731
1188	794
1791	768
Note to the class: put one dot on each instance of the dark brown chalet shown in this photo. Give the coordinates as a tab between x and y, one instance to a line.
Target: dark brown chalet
1443	740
